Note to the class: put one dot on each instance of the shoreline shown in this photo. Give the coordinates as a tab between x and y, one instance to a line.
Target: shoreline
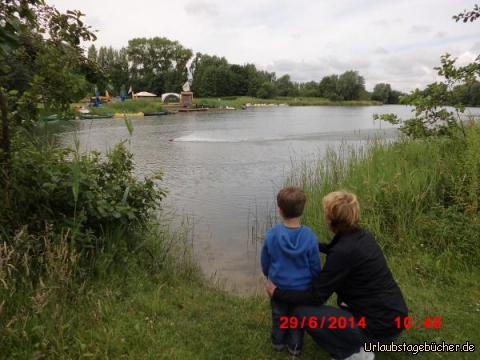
135	107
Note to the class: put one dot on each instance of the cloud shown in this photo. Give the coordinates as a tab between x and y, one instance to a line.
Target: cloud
315	70
420	29
384	40
381	50
201	8
381	23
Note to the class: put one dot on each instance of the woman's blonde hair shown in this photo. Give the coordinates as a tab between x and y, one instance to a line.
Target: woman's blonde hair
342	211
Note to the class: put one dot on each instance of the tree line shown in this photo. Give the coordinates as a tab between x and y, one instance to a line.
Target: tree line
160	65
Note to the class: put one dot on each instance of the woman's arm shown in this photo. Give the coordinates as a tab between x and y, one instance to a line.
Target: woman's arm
337	267
323	248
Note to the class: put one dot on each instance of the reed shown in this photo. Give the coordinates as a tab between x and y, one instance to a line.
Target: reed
416	196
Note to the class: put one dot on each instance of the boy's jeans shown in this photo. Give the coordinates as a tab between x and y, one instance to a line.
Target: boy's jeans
291	337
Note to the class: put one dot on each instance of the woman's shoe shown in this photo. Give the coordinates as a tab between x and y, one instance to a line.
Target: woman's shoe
361	355
294	350
278	347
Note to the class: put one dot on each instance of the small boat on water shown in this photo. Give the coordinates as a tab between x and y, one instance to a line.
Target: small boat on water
122	115
155	113
192	109
94	117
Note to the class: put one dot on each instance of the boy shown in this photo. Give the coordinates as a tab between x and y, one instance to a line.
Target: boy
290	258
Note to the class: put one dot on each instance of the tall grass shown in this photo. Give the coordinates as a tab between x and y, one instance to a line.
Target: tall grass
420	200
416	196
52	316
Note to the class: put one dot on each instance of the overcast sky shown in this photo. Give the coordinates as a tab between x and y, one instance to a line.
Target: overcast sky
395	41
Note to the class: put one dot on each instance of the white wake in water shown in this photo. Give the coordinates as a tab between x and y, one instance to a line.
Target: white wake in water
337	135
207	138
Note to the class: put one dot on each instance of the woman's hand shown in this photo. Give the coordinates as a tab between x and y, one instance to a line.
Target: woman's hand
270	288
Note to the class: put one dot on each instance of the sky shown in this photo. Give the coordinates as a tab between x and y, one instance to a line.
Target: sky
394	41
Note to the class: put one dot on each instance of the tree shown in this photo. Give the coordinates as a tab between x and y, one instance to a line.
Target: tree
309	89
114	64
59	80
240	79
328	87
433	113
212	76
92	53
350	85
28	29
285	87
468	15
383	92
158	65
266	90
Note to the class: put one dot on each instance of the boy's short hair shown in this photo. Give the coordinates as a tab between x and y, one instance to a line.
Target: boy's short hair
342	211
291	201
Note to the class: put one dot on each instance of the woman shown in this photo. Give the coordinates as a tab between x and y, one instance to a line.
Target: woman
369	299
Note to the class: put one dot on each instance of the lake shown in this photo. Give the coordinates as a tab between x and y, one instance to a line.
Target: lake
223	169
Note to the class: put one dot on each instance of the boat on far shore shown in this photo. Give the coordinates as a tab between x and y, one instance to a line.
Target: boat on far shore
94	116
155	113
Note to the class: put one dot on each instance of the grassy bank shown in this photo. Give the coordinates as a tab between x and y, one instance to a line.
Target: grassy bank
129	106
239	101
155	104
420	198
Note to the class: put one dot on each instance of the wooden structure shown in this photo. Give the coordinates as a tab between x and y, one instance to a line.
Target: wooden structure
186	99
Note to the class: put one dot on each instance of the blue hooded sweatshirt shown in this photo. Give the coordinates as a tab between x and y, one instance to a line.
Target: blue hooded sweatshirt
290	257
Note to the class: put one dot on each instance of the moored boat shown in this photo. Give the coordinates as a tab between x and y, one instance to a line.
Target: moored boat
155	113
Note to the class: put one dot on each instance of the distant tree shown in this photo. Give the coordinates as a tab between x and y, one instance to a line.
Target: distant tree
263	79
92	53
266	90
382	92
395	97
328	87
467	94
285	86
158	65
350	85
240	80
212	76
309	89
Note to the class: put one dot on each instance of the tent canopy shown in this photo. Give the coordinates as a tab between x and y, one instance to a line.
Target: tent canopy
165	96
144	94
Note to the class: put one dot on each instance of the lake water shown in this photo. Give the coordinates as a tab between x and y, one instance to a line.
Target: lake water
223	169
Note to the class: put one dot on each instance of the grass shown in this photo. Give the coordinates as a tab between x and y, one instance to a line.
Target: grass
155	104
238	102
420	198
160	317
129	106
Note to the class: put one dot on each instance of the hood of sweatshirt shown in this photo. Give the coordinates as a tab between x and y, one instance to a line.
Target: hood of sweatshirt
289	239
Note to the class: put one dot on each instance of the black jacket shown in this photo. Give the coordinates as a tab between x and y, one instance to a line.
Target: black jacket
357	271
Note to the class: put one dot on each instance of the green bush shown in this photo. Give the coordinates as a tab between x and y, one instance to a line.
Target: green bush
98	201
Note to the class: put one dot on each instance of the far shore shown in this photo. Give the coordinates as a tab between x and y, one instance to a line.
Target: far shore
230	103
